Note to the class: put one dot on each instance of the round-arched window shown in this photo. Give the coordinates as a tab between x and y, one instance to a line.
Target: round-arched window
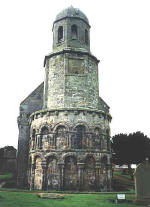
74	32
60	33
86	37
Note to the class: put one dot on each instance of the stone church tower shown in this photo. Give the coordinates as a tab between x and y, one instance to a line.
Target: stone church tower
64	134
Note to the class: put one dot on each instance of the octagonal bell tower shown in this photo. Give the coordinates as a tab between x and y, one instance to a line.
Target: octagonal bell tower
71	29
69	68
70	136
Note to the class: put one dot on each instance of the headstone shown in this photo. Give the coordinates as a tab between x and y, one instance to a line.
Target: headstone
142	183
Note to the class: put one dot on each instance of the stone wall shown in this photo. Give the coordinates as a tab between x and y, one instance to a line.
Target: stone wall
67	41
65	142
70	171
8	161
32	103
70	149
71	81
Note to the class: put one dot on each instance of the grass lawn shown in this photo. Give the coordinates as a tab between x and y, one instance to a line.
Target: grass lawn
27	199
122	175
6	176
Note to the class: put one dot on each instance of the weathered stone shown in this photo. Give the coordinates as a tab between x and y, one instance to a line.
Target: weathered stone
32	103
50	196
8	161
68	133
142	183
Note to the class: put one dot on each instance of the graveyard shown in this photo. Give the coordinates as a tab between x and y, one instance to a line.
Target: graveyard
37	198
67	156
126	192
31	199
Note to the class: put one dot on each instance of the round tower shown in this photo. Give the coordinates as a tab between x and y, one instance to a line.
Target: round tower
70	137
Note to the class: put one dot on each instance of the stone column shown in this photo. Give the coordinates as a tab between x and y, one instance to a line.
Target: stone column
80	175
69	139
44	186
32	176
97	176
61	171
109	173
33	144
37	141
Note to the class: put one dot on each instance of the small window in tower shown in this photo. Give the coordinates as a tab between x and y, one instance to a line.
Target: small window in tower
60	33
86	37
74	32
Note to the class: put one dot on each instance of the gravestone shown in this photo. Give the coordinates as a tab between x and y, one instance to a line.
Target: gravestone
142	183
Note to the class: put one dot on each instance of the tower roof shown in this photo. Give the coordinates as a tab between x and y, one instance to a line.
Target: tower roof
72	13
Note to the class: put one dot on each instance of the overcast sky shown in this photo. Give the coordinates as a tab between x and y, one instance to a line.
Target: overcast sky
120	38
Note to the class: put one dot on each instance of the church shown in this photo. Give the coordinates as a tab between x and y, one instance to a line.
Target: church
64	132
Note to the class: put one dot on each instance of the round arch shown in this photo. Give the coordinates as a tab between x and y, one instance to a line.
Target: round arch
81	124
69	154
51	154
46	126
64	124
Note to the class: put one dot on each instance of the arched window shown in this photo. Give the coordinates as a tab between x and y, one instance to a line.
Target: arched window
74	32
80	132
86	37
33	141
61	139
108	132
97	138
60	33
44	133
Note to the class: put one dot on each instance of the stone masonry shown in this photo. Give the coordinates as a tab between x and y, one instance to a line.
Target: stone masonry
64	133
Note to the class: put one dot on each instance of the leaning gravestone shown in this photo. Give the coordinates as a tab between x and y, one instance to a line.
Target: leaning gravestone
142	183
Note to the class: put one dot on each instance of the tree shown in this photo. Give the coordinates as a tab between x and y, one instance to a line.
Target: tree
130	149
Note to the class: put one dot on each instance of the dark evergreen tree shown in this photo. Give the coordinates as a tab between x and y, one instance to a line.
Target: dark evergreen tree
130	149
